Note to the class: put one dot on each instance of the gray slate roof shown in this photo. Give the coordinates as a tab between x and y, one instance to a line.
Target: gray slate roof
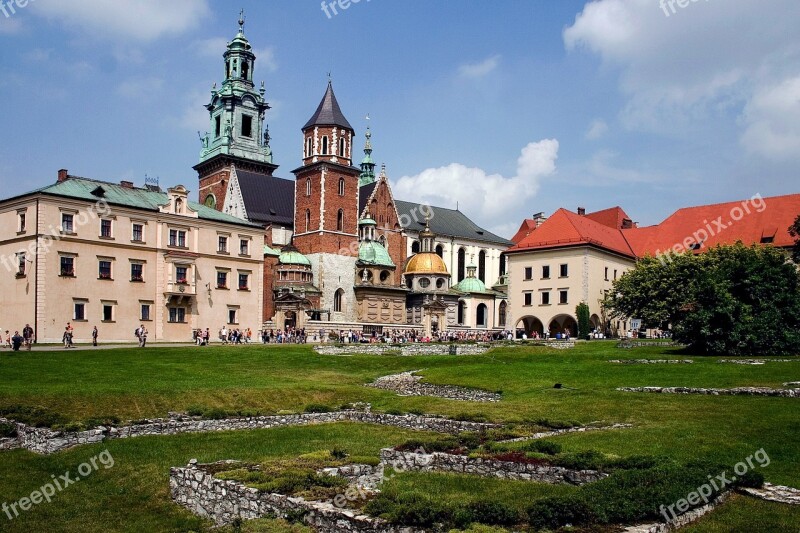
449	222
267	199
328	113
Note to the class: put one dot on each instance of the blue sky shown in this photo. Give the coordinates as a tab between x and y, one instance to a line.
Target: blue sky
507	108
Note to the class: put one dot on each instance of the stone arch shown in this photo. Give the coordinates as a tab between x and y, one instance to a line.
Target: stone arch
530	325
594	321
481	316
560	323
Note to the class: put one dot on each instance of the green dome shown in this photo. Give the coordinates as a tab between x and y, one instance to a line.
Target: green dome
372	253
470	285
368	221
293	257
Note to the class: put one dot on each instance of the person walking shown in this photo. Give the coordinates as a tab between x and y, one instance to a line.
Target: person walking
142	336
95	333
27	335
16	341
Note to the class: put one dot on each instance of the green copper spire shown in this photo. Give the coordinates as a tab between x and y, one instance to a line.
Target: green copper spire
367	164
237	109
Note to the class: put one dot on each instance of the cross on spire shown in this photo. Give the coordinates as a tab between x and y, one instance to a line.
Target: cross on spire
241	21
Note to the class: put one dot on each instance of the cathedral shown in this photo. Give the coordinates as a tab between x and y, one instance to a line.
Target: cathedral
339	251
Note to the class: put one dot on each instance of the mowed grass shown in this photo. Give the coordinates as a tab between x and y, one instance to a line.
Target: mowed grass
133	384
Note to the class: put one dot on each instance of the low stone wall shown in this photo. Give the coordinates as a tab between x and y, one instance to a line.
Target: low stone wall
407	384
644	344
407	350
462	464
737	391
222	501
680	521
46	441
651	361
757	361
775	493
557	432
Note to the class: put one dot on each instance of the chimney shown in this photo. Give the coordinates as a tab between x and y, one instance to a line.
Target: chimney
627	223
539	219
582	211
62	175
126	184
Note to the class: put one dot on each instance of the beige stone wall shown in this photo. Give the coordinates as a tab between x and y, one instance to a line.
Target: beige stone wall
585	281
206	306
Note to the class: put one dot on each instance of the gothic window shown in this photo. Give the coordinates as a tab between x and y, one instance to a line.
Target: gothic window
482	266
341	147
309	146
308	220
338	297
325	145
502	264
341	186
210	201
340	220
462	258
501	319
308	186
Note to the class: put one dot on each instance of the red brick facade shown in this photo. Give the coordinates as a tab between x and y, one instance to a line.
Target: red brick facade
270	269
382	209
215	184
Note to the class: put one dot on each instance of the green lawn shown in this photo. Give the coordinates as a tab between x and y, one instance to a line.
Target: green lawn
134	384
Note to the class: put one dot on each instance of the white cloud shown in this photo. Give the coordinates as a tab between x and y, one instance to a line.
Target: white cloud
602	170
597	129
706	61
212	47
143	20
10	25
265	60
480	69
195	116
491	198
773	120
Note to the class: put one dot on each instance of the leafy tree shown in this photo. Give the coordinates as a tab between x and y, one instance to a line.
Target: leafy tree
733	300
582	312
794	231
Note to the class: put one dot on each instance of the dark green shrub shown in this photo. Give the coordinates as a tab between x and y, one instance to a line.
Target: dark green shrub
588	460
195	411
417	412
636	462
470	417
543	446
411	509
751	479
8	430
215	414
102	421
33	416
338	453
317	408
494	513
394	412
558	511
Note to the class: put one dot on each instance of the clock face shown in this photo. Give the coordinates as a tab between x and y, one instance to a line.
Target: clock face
210	201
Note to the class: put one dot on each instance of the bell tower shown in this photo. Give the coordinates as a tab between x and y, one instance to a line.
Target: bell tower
238	132
326	187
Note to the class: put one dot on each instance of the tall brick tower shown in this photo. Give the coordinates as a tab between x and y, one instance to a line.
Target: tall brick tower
238	136
326	187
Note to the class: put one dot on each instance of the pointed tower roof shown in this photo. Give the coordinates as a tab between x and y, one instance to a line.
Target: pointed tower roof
328	113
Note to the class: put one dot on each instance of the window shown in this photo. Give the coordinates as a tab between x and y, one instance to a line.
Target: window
137	272
341	147
528	298
564	271
528	273
308	186
308	219
21	223
545	298
424	283
340	220
341	186
180	274
210	201
325	145
482	266
337	301
244	247
66	223
232	316
222	280
217	125
177	314
80	311
606	275
105	269
309	151
177	238
562	296
21	264
105	229
247	126
546	272
108	312
440	251
481	315
501	314
385	275
415	247
243	281
145	312
440	283
67	266
462	261
138	233
222	244
615	273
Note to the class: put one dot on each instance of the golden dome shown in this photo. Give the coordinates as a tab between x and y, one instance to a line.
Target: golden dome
426	263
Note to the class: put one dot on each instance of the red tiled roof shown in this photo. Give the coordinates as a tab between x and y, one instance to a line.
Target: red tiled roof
565	228
717	224
750	221
611	217
528	225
